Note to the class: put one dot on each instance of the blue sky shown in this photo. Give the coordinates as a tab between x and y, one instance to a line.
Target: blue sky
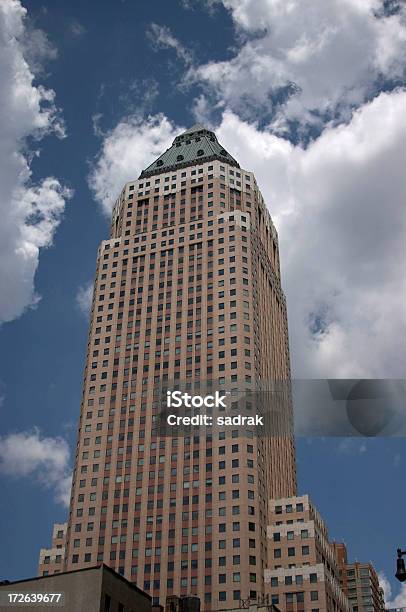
313	102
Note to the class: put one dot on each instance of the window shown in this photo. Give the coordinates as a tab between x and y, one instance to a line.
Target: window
314	595
291	551
313	578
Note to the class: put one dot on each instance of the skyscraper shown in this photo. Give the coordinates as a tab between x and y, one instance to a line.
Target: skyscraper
187	288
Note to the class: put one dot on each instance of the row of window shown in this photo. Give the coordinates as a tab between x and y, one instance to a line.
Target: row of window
289	508
298	597
290	580
304	533
277	553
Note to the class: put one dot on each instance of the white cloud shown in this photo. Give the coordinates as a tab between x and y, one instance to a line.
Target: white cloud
84	298
126	151
399	601
162	38
339	209
30	213
28	454
328	54
37	50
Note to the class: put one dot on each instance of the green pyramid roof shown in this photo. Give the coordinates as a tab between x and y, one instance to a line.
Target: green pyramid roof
194	146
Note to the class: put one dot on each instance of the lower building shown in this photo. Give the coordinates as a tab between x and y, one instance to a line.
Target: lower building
51	559
302	573
359	582
92	589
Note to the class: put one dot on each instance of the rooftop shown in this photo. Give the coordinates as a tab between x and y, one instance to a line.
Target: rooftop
194	146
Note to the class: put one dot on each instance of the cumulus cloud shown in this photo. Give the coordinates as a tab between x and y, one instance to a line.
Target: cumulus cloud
84	297
28	454
126	150
399	601
339	209
162	38
30	212
302	62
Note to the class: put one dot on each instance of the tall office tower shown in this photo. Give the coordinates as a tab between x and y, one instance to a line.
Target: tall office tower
187	288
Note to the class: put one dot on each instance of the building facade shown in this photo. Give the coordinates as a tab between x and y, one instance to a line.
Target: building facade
359	582
188	289
303	573
51	560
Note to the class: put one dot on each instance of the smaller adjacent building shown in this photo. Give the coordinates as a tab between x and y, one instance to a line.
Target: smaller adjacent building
359	582
51	559
85	590
302	573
